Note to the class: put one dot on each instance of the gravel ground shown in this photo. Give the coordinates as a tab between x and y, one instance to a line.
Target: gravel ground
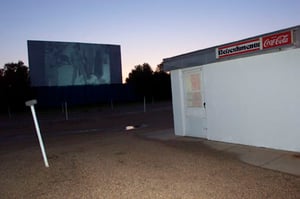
109	162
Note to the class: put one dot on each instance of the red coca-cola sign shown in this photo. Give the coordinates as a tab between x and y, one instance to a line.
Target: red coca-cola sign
278	39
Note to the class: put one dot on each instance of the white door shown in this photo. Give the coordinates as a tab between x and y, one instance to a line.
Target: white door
195	115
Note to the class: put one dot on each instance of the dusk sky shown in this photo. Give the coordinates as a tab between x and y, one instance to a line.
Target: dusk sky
147	31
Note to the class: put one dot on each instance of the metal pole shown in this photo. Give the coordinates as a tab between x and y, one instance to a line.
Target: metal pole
144	104
62	107
31	104
9	112
66	111
111	104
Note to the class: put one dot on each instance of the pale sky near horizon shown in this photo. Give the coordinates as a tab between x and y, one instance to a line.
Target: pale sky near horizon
147	31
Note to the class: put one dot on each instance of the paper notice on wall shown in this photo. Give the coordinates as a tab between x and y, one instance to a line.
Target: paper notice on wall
193	90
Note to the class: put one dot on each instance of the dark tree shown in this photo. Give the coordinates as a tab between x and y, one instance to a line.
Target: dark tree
151	84
162	83
14	85
141	77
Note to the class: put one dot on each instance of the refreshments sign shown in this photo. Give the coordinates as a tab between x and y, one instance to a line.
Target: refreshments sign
238	48
259	43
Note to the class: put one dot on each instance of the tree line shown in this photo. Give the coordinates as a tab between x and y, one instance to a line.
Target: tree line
150	84
15	86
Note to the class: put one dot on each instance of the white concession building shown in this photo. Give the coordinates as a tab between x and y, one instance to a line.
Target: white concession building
245	92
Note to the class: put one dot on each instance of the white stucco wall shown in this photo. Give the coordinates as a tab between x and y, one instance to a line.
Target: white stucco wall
252	101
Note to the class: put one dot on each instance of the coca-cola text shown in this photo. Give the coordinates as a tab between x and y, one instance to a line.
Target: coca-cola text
276	40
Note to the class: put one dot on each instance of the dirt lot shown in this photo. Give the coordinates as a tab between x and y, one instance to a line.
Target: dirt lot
92	156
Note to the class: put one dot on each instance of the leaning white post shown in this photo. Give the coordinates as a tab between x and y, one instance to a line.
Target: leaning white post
31	103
